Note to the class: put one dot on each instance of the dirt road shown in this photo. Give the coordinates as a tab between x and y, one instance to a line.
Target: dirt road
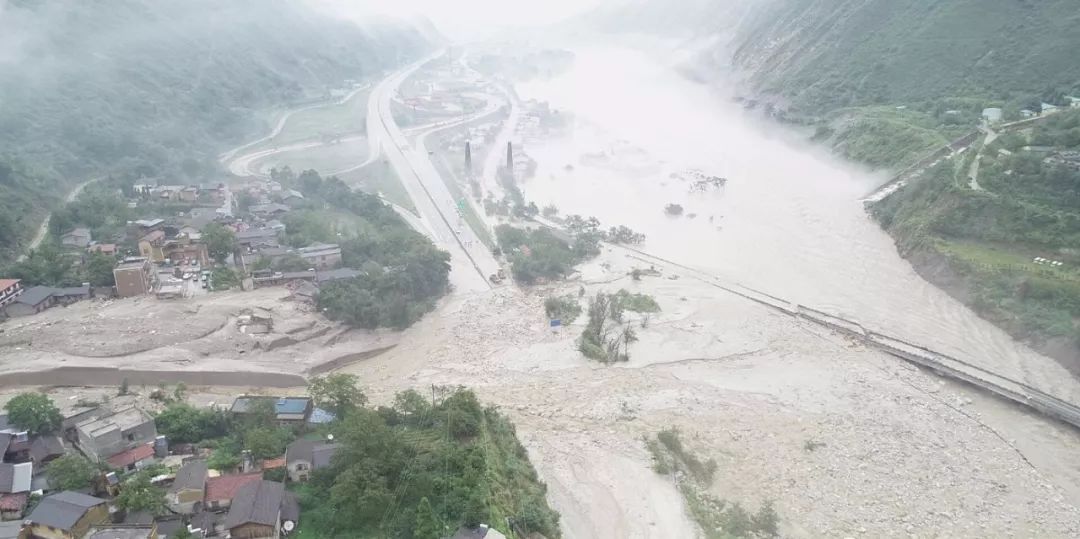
43	230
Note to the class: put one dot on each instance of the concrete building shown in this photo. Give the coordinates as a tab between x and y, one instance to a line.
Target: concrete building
109	435
31	301
133	277
66	515
260	510
322	255
76	237
9	289
992	115
305	456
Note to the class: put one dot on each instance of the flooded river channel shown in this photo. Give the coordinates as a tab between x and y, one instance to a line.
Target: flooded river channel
788	221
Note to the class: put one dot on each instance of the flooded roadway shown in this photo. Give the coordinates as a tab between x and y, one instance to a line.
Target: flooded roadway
789	220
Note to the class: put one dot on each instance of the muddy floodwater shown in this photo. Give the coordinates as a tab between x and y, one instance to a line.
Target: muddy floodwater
788	220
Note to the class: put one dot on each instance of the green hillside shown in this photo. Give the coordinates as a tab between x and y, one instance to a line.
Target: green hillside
820	55
887	82
145	88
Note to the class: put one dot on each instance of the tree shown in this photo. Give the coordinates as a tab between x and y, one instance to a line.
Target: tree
223	459
70	472
427	522
338	393
220	241
266	442
182	423
182	533
34	412
98	270
138	494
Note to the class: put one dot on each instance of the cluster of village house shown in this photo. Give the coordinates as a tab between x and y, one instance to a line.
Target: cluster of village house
236	503
994	115
169	259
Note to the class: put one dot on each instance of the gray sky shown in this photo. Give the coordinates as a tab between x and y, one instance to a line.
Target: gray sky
461	19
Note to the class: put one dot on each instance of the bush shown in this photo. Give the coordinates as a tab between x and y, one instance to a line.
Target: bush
565	308
182	423
638	303
537	255
673	209
33	412
71	472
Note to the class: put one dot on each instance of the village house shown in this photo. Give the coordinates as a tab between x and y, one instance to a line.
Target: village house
188	194
274	225
305	456
260	510
31	301
189	488
322	255
45	448
122	531
184	251
9	289
287	410
257	236
213	193
292	198
76	237
268	211
108	249
132	459
71	294
220	490
142	227
15	486
66	515
133	277
327	276
112	434
150	246
992	115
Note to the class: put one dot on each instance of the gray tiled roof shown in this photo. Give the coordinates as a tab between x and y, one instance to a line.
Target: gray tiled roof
257	502
35	295
63	510
190	476
317	452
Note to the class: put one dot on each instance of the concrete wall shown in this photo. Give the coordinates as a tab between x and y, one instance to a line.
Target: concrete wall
108	376
22	309
253	531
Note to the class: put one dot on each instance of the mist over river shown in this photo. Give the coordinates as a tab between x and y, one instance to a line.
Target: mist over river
788	222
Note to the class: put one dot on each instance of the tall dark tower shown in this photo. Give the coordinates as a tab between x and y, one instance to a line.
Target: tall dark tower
509	158
468	159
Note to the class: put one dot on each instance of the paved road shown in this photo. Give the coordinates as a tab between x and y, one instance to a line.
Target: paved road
227	156
973	173
471	261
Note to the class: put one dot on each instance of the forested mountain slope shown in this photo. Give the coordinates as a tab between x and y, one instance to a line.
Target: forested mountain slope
145	87
825	54
886	83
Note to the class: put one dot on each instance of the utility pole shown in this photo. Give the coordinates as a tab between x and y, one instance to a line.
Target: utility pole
509	157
